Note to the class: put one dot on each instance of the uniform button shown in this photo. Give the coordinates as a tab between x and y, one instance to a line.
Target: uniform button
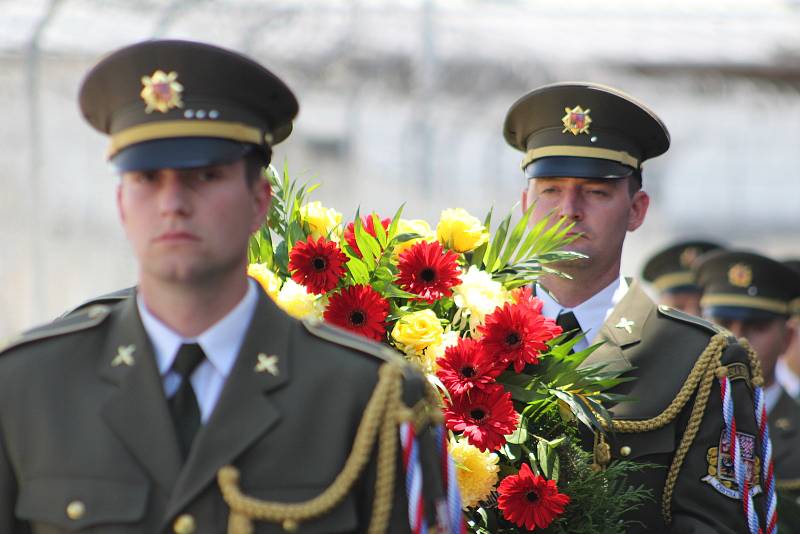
625	451
76	510
184	524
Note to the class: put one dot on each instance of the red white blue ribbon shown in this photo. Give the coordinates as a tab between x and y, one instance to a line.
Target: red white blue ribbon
740	469
767	467
454	517
413	468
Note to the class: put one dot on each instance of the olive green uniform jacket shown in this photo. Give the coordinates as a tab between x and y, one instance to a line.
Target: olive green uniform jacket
660	346
87	443
784	428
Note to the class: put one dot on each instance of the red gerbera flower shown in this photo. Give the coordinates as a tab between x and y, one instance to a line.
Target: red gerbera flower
359	308
517	333
485	418
524	295
530	501
428	270
318	265
465	367
368	224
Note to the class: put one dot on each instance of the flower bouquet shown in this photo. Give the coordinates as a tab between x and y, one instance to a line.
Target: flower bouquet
458	303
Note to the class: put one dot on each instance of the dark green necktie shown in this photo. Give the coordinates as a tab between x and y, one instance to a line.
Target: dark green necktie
183	405
569	324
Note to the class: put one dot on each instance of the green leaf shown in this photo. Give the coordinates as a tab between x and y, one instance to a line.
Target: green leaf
265	252
524	395
516	235
362	240
395	221
519	436
392	291
490	261
380	233
545	457
511	451
358	271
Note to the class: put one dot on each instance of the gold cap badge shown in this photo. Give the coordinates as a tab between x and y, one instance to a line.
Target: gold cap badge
688	256
161	91
740	275
576	121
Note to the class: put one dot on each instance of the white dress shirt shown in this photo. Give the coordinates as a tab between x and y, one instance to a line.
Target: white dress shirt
786	378
221	343
592	313
772	394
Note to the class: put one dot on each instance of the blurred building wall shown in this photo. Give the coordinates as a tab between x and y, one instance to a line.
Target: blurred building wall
404	102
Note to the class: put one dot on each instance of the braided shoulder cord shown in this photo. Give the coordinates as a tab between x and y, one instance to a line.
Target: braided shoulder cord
382	415
700	379
711	370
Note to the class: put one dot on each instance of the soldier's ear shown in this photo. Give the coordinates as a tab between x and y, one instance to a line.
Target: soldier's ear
524	203
120	209
262	198
790	331
639	204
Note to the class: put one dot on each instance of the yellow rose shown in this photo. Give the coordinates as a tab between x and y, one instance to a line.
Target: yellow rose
416	331
434	352
322	221
270	281
413	226
460	231
297	302
476	471
476	297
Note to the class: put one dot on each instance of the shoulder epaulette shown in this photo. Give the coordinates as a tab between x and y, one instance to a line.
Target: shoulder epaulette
342	337
673	313
109	299
81	320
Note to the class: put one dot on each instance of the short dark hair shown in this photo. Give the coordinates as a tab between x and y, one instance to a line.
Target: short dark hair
634	182
254	163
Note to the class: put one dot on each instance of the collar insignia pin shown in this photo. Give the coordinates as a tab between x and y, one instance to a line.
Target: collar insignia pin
783	423
124	356
267	364
576	121
626	324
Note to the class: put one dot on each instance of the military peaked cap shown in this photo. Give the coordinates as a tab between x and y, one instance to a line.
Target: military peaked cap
745	285
670	269
178	104
583	130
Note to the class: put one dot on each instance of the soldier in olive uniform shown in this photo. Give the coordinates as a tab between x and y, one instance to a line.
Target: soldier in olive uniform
584	145
132	417
751	295
669	271
787	371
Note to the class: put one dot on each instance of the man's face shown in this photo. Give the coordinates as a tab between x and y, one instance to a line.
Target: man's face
686	301
769	338
603	212
191	225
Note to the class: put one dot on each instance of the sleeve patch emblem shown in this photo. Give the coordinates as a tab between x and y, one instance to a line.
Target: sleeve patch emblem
721	474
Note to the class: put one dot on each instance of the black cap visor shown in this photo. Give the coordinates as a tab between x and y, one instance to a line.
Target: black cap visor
577	167
740	313
683	289
179	153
